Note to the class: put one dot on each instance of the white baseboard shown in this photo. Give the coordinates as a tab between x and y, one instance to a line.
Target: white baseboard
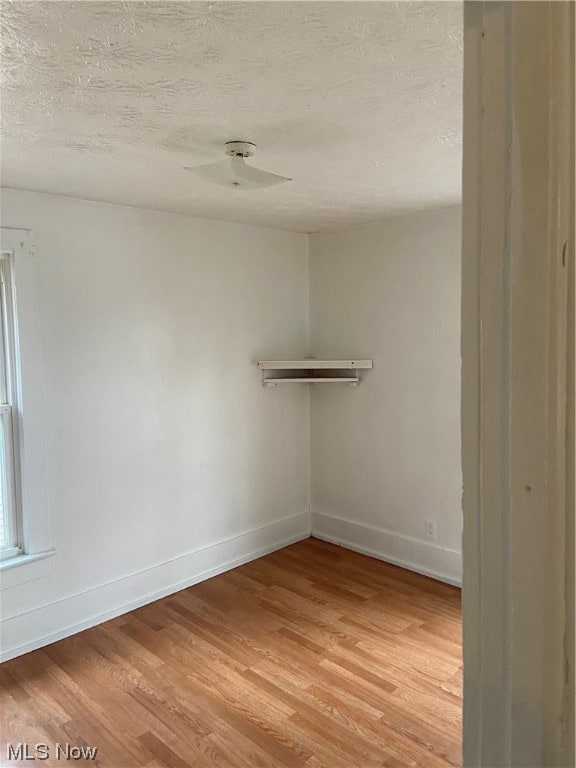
66	617
415	555
44	625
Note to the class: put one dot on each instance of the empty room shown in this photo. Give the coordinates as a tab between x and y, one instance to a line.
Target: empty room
231	479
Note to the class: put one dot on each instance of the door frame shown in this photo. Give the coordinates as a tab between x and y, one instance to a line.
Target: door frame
518	253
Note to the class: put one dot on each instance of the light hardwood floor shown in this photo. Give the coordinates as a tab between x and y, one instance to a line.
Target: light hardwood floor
312	656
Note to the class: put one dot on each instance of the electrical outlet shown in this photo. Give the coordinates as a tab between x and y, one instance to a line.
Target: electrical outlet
430	529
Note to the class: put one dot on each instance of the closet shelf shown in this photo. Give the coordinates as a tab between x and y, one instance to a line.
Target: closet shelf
310	371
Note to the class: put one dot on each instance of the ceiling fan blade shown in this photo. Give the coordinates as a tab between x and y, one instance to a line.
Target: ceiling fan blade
234	173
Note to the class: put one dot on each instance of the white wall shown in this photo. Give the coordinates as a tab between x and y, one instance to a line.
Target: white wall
386	457
166	458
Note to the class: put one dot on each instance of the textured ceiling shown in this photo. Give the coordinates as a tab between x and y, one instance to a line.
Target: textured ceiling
358	102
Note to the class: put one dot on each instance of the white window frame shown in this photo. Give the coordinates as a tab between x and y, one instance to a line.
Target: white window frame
27	413
9	410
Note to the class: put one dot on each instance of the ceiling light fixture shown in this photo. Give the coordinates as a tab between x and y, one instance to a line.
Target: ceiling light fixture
234	173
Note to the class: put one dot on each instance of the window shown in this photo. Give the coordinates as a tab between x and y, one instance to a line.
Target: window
10	517
25	534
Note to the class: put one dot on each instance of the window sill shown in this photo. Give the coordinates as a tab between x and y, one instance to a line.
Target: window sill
11	574
13	562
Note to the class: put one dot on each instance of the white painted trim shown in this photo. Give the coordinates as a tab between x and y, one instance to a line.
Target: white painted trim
29	373
66	617
518	96
416	555
27	568
15	562
14	238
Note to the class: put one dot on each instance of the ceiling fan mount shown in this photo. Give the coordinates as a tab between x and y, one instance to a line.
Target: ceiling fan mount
240	148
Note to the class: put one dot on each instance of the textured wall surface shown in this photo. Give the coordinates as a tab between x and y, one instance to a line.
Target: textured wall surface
359	102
